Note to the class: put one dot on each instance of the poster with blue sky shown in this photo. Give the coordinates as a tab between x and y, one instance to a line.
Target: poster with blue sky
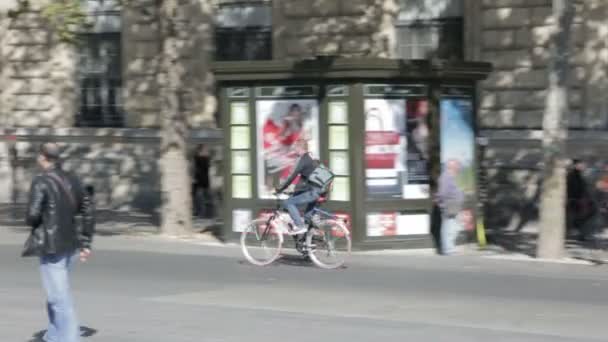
458	144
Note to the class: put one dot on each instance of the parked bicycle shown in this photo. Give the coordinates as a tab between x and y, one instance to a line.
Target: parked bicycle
327	242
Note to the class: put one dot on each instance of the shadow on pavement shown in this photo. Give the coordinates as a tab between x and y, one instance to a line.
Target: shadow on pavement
593	250
215	229
14	216
84	332
295	260
288	260
111	222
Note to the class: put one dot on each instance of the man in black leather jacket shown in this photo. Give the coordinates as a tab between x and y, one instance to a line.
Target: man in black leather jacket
56	199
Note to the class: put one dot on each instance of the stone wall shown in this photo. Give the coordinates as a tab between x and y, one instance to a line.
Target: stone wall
515	38
514	35
141	64
38	102
141	52
37	72
122	165
333	27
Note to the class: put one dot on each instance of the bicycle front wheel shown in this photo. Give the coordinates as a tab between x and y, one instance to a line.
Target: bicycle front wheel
261	246
329	244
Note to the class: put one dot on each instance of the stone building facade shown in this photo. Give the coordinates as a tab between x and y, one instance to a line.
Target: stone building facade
41	77
514	36
98	96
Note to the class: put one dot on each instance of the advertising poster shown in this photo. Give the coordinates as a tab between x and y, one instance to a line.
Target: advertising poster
385	147
396	148
395	223
382	224
241	218
280	123
458	152
417	182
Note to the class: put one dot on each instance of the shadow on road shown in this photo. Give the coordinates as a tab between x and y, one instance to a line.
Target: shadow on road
295	260
288	260
84	332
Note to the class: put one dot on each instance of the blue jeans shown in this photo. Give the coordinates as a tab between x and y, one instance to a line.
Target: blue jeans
55	271
291	204
450	227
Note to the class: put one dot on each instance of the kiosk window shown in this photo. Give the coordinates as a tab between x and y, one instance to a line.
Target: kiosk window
396	148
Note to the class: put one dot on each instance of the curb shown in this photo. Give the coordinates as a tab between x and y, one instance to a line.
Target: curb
523	257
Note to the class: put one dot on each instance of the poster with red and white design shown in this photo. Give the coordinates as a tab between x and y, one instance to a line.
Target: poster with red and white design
382	224
280	123
385	147
395	223
396	148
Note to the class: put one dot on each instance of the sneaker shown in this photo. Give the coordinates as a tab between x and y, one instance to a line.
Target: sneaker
299	230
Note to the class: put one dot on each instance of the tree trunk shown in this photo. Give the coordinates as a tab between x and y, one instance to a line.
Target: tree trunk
174	165
555	131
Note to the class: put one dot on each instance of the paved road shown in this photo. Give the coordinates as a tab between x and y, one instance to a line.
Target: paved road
143	289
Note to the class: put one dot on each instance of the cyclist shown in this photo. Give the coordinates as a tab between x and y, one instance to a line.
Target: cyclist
305	192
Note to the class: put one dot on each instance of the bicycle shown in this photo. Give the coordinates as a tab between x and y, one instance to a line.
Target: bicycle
327	242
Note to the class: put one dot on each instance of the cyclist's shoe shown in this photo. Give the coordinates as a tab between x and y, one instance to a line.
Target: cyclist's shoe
298	230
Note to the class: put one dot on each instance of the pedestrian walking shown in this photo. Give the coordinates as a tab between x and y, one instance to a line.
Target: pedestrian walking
202	199
581	207
56	200
601	186
450	199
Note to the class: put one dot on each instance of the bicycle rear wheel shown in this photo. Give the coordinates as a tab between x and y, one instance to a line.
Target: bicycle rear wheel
329	244
261	247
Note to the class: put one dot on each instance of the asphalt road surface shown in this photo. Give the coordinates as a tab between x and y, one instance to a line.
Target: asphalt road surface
141	289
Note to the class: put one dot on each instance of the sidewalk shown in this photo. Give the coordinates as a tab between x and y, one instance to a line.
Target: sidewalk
504	244
108	222
523	243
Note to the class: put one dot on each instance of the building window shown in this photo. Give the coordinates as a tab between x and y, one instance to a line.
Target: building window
243	31
430	29
100	67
